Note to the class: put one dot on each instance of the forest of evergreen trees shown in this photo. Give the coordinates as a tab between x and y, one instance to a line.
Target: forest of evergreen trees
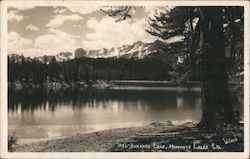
27	70
34	71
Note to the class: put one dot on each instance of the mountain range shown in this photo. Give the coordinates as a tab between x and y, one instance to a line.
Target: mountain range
137	50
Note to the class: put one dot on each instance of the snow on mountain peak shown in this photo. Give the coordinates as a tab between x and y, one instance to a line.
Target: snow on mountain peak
136	50
64	56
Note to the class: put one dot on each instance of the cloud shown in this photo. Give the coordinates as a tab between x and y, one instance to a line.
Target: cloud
92	22
75	26
52	43
32	27
14	16
59	20
108	33
23	7
82	10
62	33
55	42
60	10
16	43
151	10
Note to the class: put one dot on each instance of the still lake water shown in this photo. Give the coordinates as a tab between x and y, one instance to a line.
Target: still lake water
41	113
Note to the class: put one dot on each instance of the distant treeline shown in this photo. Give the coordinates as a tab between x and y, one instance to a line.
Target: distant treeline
165	67
36	71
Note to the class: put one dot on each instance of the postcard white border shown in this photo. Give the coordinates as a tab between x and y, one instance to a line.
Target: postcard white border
4	130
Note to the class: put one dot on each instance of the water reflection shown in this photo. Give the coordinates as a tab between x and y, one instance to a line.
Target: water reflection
42	99
41	113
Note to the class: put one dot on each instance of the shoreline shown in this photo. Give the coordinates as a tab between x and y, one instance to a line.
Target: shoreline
25	140
163	137
56	84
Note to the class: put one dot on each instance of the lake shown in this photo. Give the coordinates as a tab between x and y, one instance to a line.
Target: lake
43	113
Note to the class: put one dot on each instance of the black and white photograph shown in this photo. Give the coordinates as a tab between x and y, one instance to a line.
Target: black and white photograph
152	77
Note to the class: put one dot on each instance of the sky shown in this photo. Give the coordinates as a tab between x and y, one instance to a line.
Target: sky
38	31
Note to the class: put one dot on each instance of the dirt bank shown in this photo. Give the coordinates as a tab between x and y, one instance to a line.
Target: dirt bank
154	137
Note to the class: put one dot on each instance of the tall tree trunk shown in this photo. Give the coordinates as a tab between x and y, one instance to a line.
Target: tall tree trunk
217	107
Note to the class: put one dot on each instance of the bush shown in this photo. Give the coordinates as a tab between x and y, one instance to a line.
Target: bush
11	142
